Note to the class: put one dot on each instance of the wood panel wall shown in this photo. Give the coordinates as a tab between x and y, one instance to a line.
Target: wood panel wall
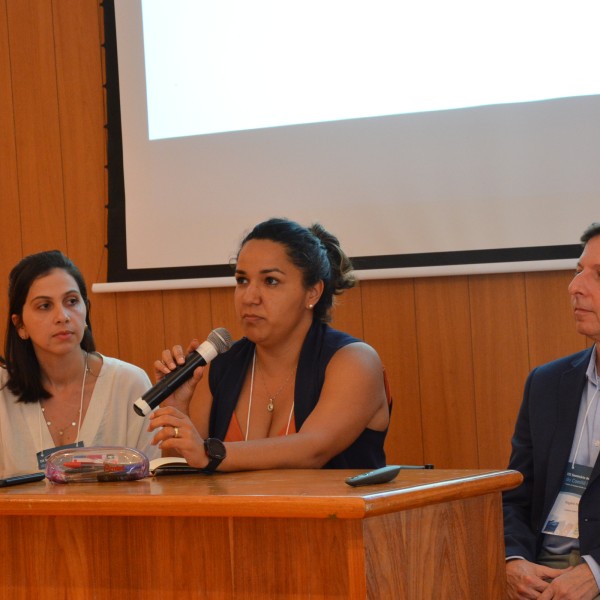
457	349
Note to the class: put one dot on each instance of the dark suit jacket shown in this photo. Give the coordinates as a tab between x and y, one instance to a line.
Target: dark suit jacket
541	446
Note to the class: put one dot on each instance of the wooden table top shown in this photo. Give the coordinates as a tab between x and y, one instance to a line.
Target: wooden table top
293	493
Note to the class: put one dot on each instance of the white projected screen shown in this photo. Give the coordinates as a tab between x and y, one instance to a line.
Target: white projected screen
403	127
213	67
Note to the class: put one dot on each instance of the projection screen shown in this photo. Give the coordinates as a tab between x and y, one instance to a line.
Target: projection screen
432	138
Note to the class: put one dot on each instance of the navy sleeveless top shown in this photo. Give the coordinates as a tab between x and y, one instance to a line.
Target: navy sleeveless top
226	378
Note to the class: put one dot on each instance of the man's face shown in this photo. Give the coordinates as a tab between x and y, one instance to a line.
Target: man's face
585	291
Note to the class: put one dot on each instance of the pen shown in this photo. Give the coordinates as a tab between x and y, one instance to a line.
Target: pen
79	467
16	479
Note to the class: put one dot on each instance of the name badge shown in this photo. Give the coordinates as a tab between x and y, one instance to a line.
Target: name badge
563	518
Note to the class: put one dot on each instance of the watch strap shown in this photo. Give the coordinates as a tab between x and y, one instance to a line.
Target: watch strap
214	460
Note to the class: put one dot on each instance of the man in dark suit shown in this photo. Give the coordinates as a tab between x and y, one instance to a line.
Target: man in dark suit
552	520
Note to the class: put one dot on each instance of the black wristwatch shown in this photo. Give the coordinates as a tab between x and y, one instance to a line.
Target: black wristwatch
215	450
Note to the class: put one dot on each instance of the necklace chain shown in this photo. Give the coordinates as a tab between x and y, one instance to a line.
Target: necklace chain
287	429
273	397
74	422
61	432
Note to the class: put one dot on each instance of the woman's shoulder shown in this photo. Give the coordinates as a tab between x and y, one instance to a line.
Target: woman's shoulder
3	376
334	340
117	367
349	349
8	400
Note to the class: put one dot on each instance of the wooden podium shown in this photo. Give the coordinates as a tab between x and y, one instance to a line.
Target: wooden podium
429	534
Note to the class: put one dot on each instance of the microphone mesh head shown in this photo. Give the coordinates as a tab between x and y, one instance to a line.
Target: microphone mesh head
221	339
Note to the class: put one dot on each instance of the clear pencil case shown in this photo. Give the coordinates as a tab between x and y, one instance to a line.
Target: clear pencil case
96	463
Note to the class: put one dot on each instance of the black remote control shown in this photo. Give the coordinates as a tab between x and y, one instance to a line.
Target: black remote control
382	475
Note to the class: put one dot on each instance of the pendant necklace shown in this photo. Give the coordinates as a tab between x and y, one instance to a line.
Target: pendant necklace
273	397
289	422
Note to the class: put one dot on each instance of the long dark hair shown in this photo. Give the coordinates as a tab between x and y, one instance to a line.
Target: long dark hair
24	376
316	252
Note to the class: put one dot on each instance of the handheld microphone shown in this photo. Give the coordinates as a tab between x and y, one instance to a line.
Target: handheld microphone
219	341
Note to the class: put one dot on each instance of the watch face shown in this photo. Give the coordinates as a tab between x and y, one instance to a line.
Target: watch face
215	448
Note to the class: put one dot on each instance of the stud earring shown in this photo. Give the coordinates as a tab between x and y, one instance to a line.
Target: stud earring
310	306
